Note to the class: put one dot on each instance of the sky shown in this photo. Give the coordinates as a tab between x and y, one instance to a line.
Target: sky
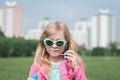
68	11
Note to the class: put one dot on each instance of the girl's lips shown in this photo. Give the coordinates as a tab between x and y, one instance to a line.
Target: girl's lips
54	49
55	53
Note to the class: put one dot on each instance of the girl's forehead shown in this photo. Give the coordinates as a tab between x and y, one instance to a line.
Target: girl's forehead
57	35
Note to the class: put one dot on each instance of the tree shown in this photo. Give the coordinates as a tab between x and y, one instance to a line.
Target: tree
4	47
1	34
99	51
118	52
113	49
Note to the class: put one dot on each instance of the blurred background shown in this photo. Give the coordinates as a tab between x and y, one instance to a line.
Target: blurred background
94	26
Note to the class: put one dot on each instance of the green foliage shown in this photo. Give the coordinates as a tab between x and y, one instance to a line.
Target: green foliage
4	47
83	52
112	50
98	51
1	34
118	52
16	47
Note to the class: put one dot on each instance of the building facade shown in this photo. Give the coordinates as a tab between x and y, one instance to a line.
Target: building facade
102	29
35	33
11	19
81	33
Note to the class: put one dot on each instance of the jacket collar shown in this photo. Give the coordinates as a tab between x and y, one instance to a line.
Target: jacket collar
62	69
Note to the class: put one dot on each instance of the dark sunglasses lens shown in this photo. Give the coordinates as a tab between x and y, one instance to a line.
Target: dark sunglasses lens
49	43
60	43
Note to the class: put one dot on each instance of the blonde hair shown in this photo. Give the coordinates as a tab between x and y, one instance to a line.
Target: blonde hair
41	55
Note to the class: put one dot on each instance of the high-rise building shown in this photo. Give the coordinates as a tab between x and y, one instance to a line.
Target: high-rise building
11	19
103	29
81	33
1	20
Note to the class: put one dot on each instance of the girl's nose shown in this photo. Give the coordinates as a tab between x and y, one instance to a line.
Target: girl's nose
54	45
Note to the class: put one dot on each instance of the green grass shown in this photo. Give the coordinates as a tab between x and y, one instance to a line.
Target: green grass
14	68
102	68
97	68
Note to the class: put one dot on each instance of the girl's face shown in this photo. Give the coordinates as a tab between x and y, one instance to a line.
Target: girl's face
54	50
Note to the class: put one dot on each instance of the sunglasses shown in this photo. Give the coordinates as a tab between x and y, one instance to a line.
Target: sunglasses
59	43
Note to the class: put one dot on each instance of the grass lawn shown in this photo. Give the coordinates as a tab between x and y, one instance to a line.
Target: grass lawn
102	68
97	68
14	68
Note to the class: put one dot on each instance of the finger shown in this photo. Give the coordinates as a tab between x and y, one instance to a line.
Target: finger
29	78
69	59
71	51
73	61
70	55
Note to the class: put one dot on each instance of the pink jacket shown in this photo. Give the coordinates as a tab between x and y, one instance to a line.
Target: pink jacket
66	72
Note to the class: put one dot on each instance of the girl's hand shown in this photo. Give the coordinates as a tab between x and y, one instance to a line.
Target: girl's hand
29	78
72	58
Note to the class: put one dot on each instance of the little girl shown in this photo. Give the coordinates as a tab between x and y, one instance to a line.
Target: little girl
55	58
